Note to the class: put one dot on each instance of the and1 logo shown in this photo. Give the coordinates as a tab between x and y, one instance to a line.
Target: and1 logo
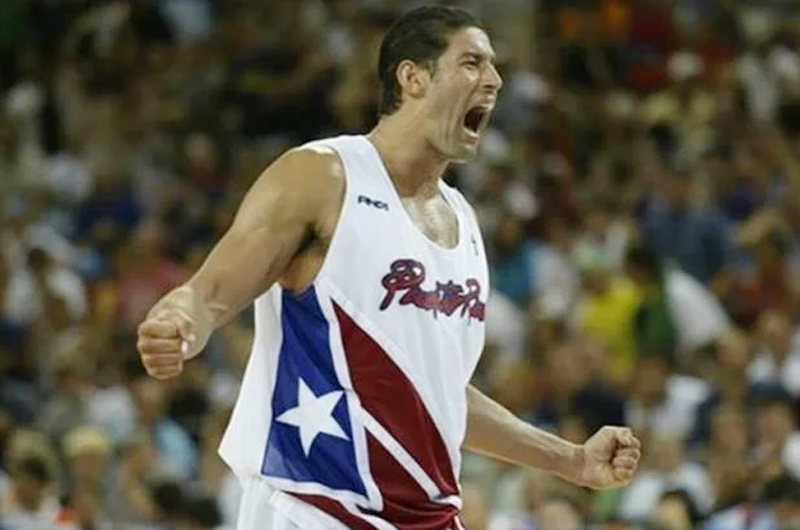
371	202
407	276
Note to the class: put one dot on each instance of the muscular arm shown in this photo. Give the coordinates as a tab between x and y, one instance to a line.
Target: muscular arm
494	431
278	214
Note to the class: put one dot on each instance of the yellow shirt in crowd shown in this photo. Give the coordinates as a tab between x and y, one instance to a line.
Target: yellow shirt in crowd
608	318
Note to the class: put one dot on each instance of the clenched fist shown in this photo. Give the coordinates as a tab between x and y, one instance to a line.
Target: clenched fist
171	334
610	458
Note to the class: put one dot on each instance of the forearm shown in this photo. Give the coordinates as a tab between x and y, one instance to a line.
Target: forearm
494	431
232	276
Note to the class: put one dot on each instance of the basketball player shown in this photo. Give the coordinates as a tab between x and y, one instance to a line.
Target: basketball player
370	281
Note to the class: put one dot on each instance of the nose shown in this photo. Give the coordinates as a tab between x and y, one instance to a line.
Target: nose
492	80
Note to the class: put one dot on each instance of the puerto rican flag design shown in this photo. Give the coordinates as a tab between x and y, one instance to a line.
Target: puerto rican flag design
348	424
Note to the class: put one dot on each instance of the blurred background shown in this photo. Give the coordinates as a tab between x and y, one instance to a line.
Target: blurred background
639	191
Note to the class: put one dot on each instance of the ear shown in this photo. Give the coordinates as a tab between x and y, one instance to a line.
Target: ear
413	79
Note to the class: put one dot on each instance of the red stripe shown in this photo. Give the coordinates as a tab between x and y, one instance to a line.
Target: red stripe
387	394
336	510
405	503
413	512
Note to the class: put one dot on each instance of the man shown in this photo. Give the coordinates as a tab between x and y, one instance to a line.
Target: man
356	401
696	236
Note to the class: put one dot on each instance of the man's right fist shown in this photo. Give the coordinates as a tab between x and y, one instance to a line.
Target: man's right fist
162	345
176	329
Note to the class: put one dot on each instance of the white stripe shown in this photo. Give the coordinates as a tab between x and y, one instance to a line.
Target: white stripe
389	346
453	500
313	488
400	454
374	497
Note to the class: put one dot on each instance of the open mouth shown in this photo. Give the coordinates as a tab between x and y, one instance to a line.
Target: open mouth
474	119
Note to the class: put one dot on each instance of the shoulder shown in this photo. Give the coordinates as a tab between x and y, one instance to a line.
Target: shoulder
305	178
315	162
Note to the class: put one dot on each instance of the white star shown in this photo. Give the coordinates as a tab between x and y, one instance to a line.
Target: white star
312	415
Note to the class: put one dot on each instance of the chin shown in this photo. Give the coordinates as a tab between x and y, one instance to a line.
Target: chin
459	152
464	154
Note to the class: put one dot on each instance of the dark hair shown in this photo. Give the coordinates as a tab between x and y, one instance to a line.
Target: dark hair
768	395
421	36
642	257
683	496
782	488
38	258
203	511
168	497
36	468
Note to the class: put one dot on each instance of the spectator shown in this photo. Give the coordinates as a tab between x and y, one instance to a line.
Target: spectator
669	470
663	402
202	513
777	442
777	509
32	501
770	286
174	447
559	514
572	391
87	507
169	502
676	511
69	406
728	375
606	313
727	449
778	360
147	273
697	238
88	451
128	498
45	291
678	316
557	279
514	268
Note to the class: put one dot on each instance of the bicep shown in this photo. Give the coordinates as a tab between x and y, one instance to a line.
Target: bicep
276	216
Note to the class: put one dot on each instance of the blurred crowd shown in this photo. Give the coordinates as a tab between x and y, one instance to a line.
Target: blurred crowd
639	191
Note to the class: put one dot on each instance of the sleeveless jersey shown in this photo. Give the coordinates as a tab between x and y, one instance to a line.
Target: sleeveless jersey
354	398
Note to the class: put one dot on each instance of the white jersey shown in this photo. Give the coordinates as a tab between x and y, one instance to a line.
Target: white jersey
354	399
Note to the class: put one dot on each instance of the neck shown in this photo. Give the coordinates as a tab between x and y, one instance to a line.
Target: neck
414	165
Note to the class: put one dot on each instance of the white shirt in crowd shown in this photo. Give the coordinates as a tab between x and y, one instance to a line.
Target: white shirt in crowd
675	415
24	302
642	496
698	316
765	369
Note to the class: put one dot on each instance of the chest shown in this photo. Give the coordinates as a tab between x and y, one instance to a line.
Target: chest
408	255
434	219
